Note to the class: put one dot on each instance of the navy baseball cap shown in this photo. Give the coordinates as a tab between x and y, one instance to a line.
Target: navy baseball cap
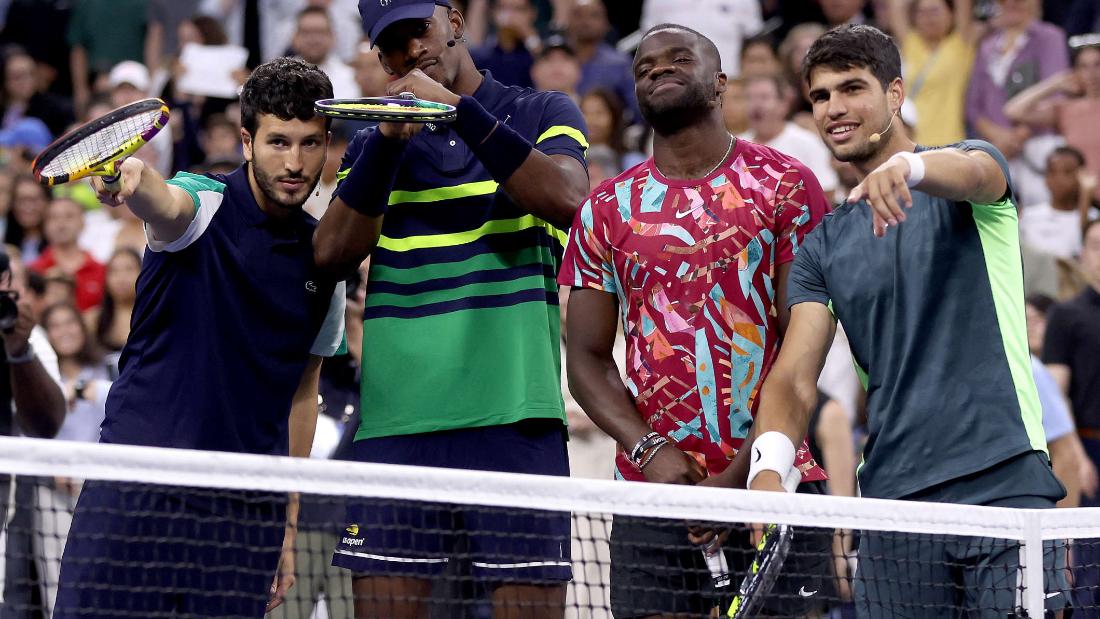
380	14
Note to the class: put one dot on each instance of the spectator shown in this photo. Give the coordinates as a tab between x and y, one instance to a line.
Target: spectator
37	27
601	64
129	81
557	68
31	401
28	209
735	106
1069	350
791	52
840	12
257	26
767	119
1055	227
1068	102
23	98
95	48
1067	455
603	164
7	179
63	222
758	57
1083	16
221	141
603	115
163	19
22	141
313	42
937	40
83	373
509	53
1020	52
109	322
32	404
369	73
726	22
317	203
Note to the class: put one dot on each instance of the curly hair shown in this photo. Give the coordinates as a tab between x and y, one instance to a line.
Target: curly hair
285	88
855	47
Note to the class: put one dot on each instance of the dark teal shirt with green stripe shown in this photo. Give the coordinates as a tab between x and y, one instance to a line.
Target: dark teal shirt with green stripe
462	325
934	313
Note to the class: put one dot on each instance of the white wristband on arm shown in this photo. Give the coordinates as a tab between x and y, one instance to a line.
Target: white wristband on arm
773	451
916	167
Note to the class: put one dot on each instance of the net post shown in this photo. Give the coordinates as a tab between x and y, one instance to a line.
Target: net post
1034	593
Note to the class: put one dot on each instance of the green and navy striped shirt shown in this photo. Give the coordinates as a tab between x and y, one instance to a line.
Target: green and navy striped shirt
461	327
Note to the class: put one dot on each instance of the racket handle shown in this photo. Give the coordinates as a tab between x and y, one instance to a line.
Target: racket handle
113	183
716	563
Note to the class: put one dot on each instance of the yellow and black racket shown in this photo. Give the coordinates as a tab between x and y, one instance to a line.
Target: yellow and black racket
771	552
98	146
405	108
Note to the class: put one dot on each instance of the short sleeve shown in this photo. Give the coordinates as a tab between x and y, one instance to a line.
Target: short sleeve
1058	342
587	262
207	194
800	204
331	336
806	281
1009	199
562	130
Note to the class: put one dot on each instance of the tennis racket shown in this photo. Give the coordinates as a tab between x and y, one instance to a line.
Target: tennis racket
771	551
405	108
98	146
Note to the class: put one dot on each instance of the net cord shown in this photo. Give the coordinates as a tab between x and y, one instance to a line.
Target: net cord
26	456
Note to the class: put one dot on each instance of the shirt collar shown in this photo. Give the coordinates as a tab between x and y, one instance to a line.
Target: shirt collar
241	191
489	93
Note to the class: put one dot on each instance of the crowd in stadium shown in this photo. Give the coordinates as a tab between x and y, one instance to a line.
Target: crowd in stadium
1023	75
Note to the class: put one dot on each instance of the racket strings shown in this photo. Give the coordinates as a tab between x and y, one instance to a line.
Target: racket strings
103	144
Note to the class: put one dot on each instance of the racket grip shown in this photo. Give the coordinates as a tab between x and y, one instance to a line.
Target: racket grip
113	183
717	565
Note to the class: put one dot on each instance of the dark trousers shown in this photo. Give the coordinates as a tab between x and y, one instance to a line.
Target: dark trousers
1086	555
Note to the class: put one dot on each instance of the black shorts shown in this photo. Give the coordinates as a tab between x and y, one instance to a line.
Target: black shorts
655	570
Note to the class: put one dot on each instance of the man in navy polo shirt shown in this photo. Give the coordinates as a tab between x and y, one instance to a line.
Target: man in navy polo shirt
231	321
464	224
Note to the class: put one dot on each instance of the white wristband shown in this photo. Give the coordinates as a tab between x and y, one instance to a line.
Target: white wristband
773	451
916	167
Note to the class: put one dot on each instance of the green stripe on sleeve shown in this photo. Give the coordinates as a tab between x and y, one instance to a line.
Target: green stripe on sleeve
566	130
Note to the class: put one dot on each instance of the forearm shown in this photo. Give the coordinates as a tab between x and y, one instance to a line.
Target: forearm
167	210
595	383
1022	107
955	175
1066	465
303	411
39	401
536	182
352	225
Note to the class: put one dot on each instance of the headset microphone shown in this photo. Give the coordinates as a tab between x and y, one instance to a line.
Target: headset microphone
877	137
455	41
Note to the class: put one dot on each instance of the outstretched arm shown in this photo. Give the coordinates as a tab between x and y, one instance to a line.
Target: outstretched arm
167	210
953	173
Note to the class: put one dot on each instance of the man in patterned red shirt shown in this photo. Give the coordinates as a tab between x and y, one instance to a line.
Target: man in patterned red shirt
692	247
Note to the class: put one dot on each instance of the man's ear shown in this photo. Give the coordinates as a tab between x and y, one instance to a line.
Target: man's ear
385	67
246	144
720	80
896	95
458	23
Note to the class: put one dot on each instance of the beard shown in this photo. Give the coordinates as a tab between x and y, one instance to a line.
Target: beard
856	154
671	115
269	187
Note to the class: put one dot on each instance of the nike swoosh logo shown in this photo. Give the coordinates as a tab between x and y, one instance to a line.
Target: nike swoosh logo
1050	595
758	454
804	593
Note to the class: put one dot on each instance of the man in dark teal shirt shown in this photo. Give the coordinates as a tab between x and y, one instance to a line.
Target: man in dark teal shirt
935	317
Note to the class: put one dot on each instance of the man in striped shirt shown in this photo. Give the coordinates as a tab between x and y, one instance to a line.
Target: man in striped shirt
464	224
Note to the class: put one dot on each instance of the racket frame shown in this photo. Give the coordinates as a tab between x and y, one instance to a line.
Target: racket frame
331	107
108	165
766	567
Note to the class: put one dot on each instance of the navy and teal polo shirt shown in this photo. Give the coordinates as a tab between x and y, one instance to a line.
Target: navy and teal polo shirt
462	326
224	322
934	313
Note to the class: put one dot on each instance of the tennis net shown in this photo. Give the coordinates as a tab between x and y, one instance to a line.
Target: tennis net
175	533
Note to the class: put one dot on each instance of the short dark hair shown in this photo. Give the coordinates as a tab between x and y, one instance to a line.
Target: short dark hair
285	88
855	47
708	45
1068	151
